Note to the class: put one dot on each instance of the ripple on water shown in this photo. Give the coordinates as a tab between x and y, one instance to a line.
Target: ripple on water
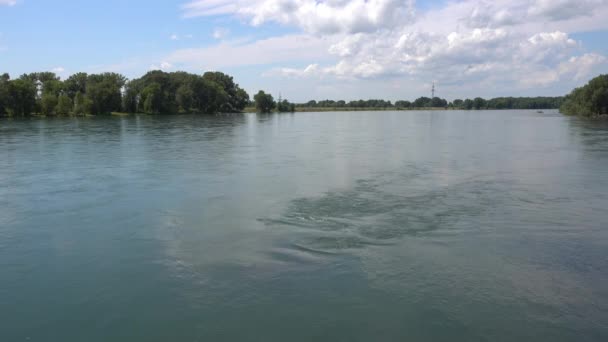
372	213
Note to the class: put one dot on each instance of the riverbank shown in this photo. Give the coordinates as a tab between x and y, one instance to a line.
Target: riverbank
350	109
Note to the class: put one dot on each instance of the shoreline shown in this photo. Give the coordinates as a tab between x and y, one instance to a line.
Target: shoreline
251	110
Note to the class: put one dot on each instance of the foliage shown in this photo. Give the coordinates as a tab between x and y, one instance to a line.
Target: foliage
155	92
64	105
285	106
21	96
264	103
48	102
104	91
588	101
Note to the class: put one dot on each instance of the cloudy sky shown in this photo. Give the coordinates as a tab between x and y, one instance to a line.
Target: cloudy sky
316	49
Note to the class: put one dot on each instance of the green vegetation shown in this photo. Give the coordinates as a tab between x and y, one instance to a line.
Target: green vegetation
264	103
214	92
590	100
426	102
98	94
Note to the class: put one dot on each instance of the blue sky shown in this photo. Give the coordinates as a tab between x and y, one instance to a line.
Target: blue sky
309	49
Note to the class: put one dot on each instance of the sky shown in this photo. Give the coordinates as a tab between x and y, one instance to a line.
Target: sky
320	49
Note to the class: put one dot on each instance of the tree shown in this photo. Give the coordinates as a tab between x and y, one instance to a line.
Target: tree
104	91
64	105
589	100
48	103
403	104
75	84
82	104
285	106
422	102
438	102
237	98
4	79
21	94
264	103
479	103
468	104
129	99
184	97
151	96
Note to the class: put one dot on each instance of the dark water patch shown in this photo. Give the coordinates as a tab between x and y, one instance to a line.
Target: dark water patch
372	214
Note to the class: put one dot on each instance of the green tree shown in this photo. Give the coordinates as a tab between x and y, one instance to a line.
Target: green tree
76	83
129	99
184	97
64	105
4	79
479	103
264	103
285	106
104	91
152	98
468	104
403	104
82	104
48	103
589	100
422	102
237	98
21	94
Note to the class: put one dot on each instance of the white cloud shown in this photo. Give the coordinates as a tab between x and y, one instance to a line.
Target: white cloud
162	66
312	16
564	9
480	43
266	51
581	66
578	67
8	2
174	37
58	70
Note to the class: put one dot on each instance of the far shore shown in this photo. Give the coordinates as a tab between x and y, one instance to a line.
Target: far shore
251	110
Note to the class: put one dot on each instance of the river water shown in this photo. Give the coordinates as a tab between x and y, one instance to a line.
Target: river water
354	226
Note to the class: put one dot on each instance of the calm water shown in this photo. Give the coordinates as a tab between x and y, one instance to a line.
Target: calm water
366	226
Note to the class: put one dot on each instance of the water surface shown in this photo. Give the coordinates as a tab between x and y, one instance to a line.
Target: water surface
357	226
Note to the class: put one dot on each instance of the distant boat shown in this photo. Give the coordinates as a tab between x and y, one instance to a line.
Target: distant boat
540	111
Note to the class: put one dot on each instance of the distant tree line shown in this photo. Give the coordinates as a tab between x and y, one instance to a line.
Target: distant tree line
344	104
436	102
590	100
265	103
156	92
215	92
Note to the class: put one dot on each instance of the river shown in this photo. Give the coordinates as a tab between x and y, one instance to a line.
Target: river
345	226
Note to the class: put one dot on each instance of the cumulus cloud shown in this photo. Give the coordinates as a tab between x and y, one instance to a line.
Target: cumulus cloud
312	16
8	2
564	9
576	67
162	66
525	42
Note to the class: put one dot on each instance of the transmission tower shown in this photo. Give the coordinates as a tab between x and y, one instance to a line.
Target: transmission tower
433	91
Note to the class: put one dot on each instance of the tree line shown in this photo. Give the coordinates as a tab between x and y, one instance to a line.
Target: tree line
436	102
215	92
590	100
156	92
